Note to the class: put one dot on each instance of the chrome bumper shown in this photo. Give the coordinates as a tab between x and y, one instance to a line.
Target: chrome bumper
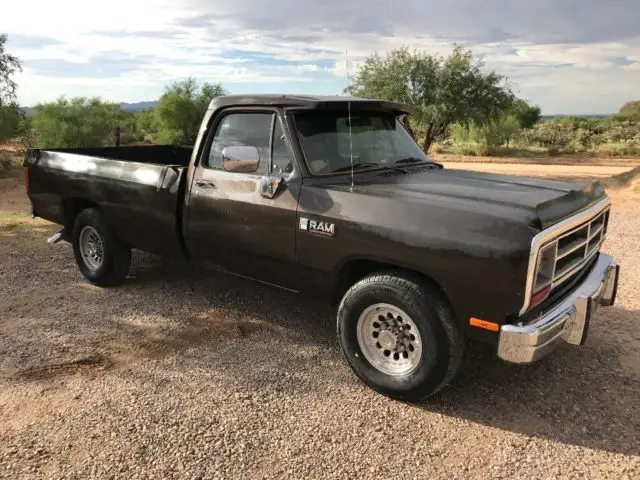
566	322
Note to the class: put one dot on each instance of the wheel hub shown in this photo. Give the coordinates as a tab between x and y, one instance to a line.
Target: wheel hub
91	248
389	339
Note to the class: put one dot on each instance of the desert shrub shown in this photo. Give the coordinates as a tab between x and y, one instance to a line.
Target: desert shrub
553	135
10	117
486	139
180	110
147	125
75	122
468	149
5	166
482	150
8	164
619	149
630	110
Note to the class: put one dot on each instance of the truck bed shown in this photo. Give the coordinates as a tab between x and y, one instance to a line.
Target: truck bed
148	154
139	189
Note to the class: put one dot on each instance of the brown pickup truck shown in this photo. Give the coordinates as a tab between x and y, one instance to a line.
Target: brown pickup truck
331	196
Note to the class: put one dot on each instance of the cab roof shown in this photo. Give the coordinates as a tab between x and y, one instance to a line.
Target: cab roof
307	101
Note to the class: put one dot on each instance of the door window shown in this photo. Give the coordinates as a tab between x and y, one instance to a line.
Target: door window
242	129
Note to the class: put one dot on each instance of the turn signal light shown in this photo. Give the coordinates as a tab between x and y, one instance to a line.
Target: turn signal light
476	322
539	297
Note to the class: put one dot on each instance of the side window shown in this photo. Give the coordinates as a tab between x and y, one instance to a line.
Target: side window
281	156
243	129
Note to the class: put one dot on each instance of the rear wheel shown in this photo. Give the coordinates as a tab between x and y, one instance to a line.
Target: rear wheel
399	335
101	257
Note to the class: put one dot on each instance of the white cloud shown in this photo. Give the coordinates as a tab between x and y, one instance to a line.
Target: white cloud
567	55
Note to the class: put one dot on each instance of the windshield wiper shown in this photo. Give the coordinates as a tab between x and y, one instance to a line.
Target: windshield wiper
346	168
416	160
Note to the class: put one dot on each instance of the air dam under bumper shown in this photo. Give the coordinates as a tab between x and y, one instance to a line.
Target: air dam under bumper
568	321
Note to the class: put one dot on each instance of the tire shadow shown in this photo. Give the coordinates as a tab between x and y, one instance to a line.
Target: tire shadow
585	396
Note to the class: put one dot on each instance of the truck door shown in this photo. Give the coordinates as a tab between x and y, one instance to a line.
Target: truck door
230	223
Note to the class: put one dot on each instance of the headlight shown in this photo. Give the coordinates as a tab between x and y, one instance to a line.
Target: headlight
544	274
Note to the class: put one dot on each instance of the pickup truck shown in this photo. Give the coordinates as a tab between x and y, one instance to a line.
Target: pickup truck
331	196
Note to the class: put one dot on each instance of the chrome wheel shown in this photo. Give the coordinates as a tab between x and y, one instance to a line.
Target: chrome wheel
389	339
91	248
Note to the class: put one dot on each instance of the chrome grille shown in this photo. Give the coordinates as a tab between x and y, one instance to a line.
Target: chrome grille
562	251
576	247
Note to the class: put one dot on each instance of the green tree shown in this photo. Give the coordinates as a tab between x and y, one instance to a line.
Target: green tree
10	114
501	131
10	118
526	114
630	110
147	124
180	110
75	122
555	135
444	91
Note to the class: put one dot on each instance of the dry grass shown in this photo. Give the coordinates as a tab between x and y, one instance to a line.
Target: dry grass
559	160
9	164
630	179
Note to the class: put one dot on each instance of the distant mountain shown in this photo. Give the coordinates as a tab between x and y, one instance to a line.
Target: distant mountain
130	107
585	115
138	106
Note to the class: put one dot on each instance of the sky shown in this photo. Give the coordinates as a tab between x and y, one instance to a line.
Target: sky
568	56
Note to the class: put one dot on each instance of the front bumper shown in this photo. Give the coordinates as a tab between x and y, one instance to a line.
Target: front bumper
566	322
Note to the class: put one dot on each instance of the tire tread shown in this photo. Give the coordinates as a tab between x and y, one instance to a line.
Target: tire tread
414	289
117	253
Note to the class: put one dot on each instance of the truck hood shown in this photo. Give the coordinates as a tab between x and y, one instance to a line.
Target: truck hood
549	200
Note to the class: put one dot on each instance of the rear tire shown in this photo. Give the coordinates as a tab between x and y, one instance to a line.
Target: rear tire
102	258
399	335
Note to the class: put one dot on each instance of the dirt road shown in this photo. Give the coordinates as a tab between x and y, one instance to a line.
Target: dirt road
557	171
184	373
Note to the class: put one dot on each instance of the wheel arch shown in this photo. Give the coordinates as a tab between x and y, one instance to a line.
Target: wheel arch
72	206
355	269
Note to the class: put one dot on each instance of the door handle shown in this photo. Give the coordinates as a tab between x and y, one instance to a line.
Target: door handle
205	183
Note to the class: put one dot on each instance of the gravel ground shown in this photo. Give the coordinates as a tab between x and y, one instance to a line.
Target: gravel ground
185	373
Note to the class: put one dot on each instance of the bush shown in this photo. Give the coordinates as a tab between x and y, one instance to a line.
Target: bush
436	148
483	140
9	164
469	149
10	117
147	125
5	166
619	149
482	150
555	135
180	110
75	122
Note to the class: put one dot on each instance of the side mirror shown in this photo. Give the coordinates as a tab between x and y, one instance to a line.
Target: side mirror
242	159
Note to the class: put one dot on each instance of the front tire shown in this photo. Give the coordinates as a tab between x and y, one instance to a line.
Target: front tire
399	335
102	258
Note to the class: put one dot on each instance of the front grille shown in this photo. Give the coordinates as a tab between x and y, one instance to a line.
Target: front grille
576	247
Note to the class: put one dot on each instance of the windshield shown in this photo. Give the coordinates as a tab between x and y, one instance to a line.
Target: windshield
378	139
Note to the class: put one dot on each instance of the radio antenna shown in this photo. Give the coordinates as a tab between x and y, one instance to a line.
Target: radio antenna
346	53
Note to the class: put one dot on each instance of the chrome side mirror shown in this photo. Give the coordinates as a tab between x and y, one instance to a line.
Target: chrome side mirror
241	159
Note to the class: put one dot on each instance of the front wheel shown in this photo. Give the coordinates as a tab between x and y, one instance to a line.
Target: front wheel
399	335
